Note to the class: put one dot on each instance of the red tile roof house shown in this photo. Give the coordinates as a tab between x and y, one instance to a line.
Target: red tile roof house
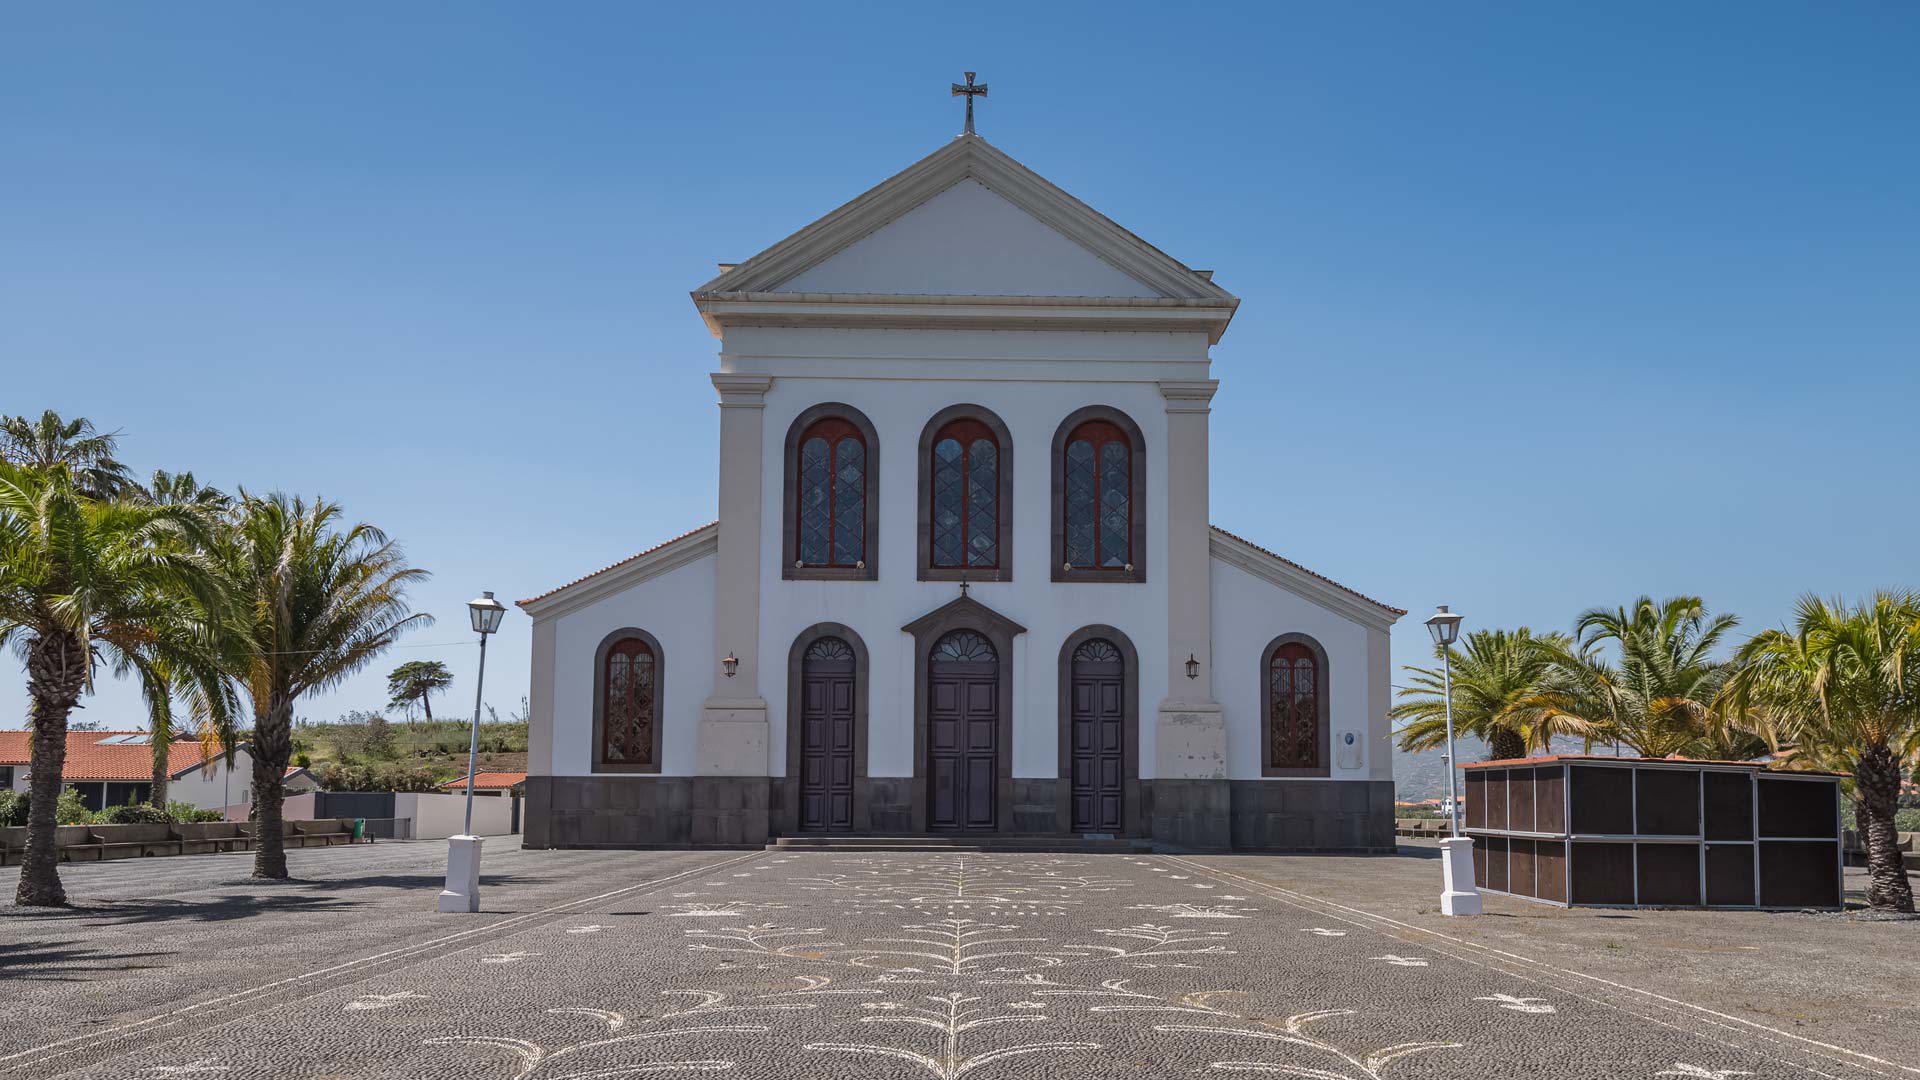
112	768
490	783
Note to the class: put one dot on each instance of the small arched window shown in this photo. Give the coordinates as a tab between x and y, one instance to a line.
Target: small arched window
627	702
966	496
1099	492
1295	728
832	496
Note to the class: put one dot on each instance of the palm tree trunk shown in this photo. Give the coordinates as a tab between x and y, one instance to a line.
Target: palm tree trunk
1504	743
56	674
272	746
1876	784
162	773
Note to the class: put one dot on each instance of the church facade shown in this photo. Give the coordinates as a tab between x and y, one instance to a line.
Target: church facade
964	579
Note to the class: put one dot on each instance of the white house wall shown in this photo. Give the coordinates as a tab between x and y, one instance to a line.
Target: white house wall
676	607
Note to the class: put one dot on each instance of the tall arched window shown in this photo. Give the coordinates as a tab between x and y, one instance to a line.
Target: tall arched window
1296	721
833	496
626	707
966	496
832	525
966	460
1099	498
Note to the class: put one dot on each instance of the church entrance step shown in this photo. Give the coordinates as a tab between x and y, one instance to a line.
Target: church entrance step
1067	844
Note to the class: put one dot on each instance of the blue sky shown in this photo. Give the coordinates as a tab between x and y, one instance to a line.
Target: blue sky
1544	306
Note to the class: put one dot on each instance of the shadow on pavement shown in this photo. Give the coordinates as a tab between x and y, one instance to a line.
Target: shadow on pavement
217	909
64	961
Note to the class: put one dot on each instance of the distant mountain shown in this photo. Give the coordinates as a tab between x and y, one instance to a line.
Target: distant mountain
1424	775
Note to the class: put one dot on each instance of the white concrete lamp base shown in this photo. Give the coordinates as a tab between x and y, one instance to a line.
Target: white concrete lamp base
462	893
1461	896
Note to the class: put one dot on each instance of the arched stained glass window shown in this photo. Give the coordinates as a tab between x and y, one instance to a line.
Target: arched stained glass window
1293	707
964	647
966	496
1098	491
832	498
629	703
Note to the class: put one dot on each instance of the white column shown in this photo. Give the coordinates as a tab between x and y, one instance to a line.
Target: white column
1191	739
733	721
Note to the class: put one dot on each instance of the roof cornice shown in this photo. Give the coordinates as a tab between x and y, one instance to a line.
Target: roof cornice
742	295
1301	581
675	553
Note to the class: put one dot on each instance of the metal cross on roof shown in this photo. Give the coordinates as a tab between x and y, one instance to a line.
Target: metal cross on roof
971	91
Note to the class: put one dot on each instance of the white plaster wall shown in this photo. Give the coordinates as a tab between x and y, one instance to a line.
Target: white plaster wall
967	241
1248	613
436	817
676	608
899	409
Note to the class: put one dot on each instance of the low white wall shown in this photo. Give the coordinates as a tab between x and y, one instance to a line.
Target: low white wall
436	817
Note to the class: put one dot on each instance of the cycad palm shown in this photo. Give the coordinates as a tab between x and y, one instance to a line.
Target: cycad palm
318	601
81	581
1843	687
1659	696
1497	687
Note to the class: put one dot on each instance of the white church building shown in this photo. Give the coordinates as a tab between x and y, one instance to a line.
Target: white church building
963	579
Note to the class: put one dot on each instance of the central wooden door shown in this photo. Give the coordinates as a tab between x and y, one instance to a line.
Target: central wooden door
826	736
1097	739
963	734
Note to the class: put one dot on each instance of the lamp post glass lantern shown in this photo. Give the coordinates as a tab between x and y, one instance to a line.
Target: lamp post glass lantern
463	852
1459	895
1444	625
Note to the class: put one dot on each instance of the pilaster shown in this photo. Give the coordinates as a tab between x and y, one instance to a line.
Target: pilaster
1191	736
540	700
733	721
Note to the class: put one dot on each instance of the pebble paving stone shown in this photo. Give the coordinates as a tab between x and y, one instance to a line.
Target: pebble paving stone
804	965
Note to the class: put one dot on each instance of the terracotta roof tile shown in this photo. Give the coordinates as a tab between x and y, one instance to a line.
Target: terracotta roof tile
487	781
1309	573
621	563
88	759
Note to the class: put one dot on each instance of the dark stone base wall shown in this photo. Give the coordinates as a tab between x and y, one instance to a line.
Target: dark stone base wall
1313	815
1036	804
645	811
746	811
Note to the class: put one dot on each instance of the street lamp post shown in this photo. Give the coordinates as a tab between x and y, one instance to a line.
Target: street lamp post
462	893
1459	895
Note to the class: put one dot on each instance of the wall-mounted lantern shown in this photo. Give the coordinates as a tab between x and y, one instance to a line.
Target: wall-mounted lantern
1193	667
731	663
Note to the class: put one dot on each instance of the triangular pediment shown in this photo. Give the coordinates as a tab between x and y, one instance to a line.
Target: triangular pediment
965	611
966	221
967	241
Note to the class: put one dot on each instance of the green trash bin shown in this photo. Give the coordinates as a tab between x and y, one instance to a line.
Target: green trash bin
359	829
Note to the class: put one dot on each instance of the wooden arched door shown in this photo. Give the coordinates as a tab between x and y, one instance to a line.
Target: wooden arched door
963	733
1097	739
827	727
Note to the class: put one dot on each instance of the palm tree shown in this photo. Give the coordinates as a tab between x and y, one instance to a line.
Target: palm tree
1499	678
201	686
75	445
1843	687
1659	696
84	580
318	601
415	681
